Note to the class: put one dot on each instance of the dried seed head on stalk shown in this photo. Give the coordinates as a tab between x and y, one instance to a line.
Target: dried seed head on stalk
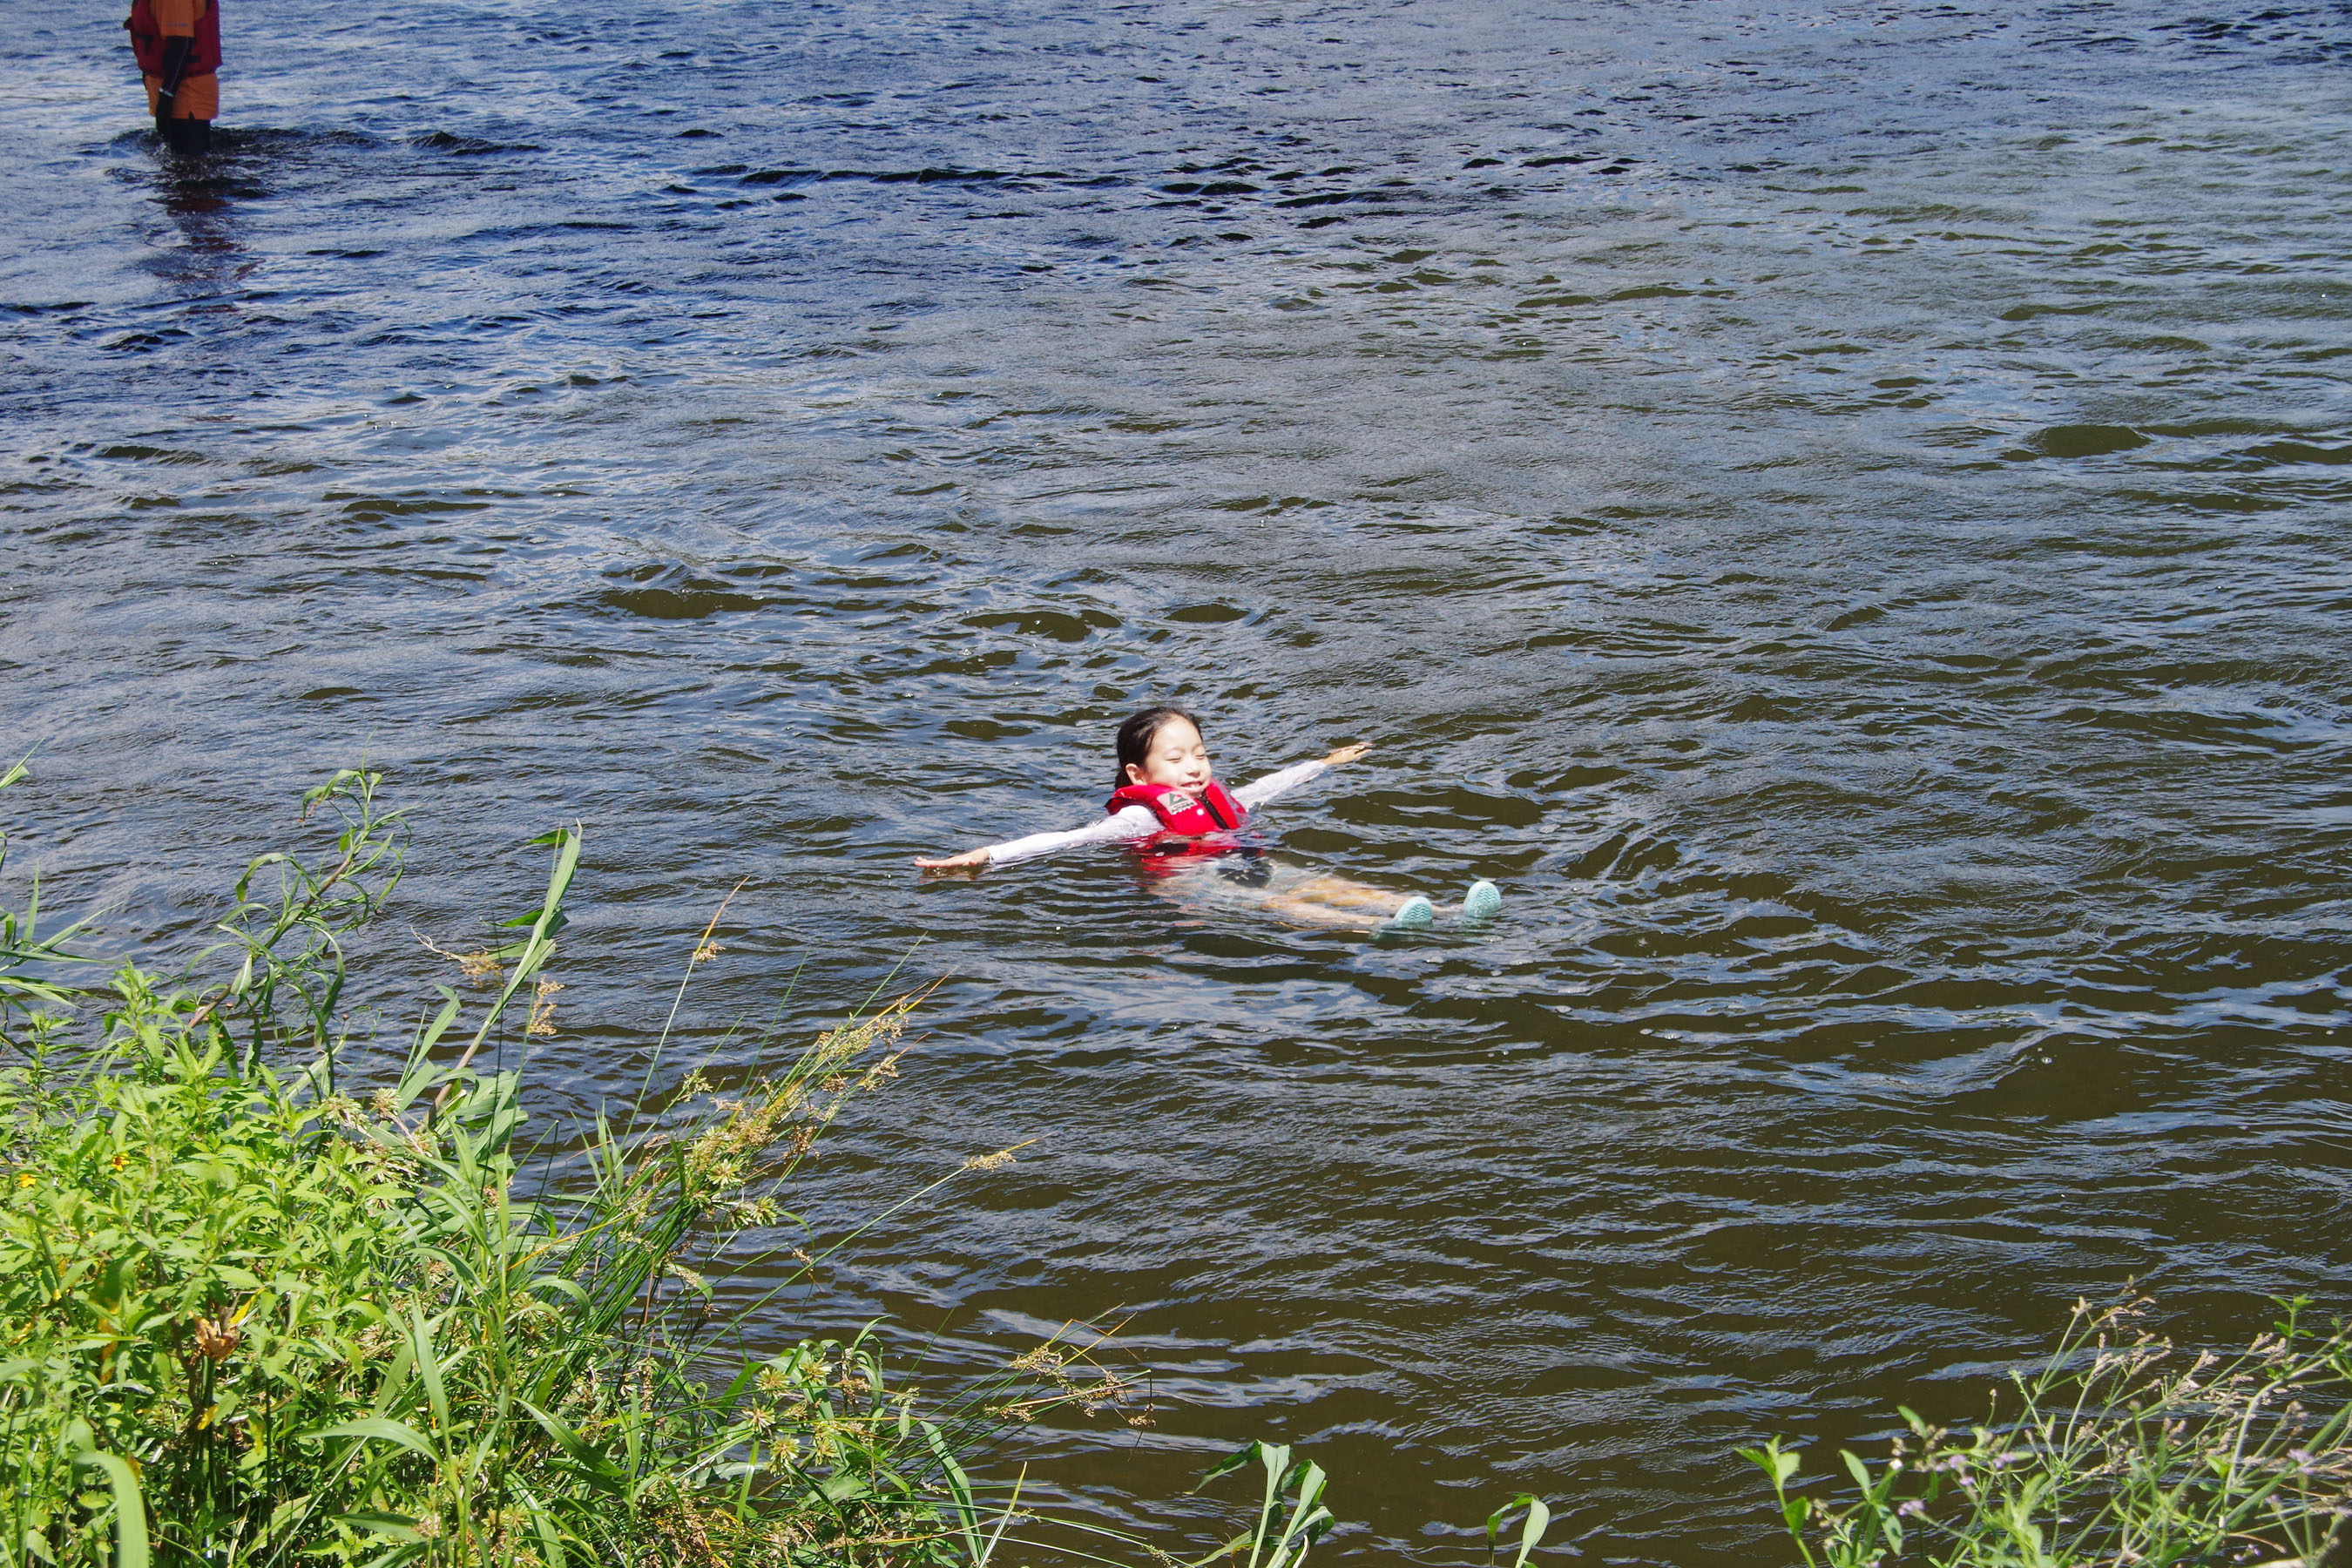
705	950
479	968
542	1007
1107	1394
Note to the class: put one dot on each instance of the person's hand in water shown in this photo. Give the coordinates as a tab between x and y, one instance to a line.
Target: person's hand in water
1346	753
969	860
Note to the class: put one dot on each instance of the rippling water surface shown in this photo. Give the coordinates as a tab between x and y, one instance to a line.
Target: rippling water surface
1841	509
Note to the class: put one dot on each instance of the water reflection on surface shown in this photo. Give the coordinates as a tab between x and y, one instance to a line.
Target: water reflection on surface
1840	511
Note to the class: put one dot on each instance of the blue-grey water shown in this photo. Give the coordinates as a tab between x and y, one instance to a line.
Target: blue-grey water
1841	509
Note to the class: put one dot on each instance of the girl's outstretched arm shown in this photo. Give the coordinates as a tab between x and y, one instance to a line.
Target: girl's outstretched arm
969	859
1131	822
1257	791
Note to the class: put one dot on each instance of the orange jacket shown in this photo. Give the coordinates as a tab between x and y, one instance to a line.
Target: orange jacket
148	33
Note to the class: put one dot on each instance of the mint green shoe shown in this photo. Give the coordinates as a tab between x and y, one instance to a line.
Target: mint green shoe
1484	901
1416	914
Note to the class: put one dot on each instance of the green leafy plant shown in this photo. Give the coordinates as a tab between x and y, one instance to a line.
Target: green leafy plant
246	1318
1280	1539
2118	1449
290	918
24	951
1535	1517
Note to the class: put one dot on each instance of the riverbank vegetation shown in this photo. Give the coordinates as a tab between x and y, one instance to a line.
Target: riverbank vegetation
268	1300
2120	1449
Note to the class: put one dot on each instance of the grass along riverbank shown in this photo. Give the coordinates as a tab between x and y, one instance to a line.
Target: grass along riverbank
2120	1450
252	1317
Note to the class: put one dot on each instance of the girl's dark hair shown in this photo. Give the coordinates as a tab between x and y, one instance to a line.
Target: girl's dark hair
1135	736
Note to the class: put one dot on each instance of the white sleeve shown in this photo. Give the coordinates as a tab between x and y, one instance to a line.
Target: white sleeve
1129	822
1257	791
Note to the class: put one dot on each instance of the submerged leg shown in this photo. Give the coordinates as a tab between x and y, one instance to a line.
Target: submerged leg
193	137
1318	898
1325	900
1336	901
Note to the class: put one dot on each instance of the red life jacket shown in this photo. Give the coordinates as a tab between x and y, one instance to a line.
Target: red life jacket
1189	813
147	40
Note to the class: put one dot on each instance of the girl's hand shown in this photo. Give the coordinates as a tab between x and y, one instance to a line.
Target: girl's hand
1347	754
965	861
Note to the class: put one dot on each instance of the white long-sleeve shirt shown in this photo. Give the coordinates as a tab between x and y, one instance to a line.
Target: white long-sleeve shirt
1142	822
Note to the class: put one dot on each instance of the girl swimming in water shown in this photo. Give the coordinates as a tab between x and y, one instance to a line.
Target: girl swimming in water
1170	803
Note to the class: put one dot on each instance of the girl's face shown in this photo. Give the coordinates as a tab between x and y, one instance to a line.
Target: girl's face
1178	758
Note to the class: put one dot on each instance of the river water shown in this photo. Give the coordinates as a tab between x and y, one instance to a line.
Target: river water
1841	509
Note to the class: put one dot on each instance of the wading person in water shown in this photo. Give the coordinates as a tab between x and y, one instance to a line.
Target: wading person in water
178	46
1170	805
